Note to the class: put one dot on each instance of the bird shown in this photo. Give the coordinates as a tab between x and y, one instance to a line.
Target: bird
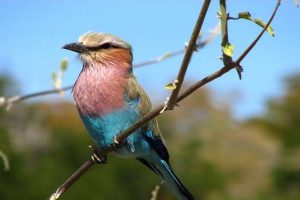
109	100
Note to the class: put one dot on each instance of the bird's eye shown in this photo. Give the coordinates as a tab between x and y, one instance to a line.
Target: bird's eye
103	46
106	46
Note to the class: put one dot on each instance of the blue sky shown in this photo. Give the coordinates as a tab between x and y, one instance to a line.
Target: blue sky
33	33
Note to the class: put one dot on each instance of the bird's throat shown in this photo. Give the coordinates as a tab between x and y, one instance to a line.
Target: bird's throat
100	88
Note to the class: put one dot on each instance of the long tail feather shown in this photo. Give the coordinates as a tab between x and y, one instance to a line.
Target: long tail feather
179	190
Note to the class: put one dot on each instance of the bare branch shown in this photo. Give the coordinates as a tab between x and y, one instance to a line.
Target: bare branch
200	44
223	19
10	101
72	179
161	58
214	32
225	38
250	47
187	57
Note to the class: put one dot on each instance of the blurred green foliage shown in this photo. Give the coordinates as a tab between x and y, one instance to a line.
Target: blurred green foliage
216	156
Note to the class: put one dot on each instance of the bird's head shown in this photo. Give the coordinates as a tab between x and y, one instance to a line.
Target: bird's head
101	48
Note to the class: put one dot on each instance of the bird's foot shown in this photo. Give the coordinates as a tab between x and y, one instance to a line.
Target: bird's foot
98	156
116	143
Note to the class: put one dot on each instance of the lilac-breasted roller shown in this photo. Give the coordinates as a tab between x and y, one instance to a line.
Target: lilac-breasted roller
109	100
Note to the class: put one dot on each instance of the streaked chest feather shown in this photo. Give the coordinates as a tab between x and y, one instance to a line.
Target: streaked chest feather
100	89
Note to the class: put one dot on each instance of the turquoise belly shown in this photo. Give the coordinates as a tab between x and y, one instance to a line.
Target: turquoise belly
103	130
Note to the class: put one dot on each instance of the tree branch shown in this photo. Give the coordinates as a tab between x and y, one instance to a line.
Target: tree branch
250	47
199	45
84	168
8	102
223	19
187	57
224	33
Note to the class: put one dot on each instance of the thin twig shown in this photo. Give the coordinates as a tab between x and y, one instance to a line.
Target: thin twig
60	190
200	44
224	33
158	59
10	101
224	27
187	57
145	119
250	47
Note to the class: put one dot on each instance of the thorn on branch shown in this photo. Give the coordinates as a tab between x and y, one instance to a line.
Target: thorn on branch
239	70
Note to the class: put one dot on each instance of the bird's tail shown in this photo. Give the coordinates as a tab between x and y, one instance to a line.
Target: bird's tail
173	181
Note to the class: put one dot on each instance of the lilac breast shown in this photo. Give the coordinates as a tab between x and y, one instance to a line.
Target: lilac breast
100	89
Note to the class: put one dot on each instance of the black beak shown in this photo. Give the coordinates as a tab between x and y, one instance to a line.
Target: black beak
77	47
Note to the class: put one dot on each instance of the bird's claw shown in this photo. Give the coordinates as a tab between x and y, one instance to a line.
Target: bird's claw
116	143
98	156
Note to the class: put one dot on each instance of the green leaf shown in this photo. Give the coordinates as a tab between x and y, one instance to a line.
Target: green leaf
271	31
63	64
228	49
259	22
54	76
245	15
170	86
262	24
